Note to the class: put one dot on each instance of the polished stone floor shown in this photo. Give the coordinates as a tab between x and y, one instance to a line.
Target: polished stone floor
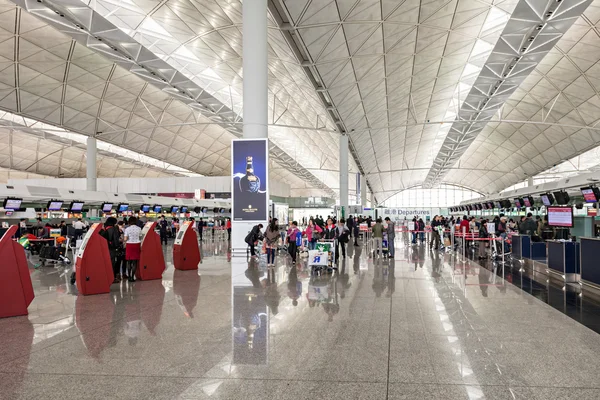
422	326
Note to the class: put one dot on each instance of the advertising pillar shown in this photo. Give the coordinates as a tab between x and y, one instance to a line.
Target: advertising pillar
249	189
152	260
93	266
16	290
186	253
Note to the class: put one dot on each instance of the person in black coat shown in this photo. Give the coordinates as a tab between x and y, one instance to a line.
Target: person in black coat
163	229
350	224
252	237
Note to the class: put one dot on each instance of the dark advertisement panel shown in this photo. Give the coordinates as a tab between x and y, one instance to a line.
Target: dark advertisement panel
249	174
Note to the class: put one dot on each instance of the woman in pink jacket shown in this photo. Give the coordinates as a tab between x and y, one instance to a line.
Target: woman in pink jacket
310	234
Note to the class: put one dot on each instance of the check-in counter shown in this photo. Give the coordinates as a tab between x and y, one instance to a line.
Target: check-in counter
538	251
521	246
564	260
590	262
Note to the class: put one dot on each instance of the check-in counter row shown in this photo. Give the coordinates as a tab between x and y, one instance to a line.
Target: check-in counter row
573	262
524	247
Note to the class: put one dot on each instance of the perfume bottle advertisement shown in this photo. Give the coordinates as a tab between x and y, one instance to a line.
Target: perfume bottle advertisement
249	186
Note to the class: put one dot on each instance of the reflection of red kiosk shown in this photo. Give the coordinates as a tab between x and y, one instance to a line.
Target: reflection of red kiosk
152	260
151	293
94	319
93	265
16	290
186	253
186	287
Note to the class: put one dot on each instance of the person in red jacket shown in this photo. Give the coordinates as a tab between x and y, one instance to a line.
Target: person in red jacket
463	229
464	225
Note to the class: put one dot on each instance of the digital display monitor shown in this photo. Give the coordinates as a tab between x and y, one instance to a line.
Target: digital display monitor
174	209
590	194
184	209
547	199
204	210
491	205
157	208
528	201
560	217
562	197
123	207
506	203
478	206
76	206
8	213
519	203
12	204
107	207
54	205
145	208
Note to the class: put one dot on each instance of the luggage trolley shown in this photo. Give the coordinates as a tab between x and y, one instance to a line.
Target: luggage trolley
323	257
384	245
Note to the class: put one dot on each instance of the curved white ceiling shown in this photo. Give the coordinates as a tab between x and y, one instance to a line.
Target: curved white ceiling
395	72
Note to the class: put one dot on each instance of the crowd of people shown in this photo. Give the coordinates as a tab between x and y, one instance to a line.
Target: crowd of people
439	229
342	232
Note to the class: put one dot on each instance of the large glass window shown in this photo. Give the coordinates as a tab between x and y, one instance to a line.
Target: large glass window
442	196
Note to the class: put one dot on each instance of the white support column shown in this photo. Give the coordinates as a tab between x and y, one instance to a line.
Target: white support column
363	191
530	181
255	100
91	173
344	173
254	27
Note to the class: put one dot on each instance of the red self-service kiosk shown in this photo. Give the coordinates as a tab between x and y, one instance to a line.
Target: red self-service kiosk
186	253
152	260
16	290
93	266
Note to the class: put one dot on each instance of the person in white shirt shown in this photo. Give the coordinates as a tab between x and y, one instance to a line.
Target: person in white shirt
78	225
132	247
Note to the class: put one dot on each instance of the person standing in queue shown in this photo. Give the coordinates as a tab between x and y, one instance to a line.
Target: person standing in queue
356	227
435	233
132	247
272	236
63	228
121	263
483	234
391	236
343	237
292	235
113	237
350	224
162	228
252	238
422	230
377	230
78	226
228	227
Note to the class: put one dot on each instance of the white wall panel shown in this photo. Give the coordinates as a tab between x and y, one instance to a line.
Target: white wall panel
150	185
